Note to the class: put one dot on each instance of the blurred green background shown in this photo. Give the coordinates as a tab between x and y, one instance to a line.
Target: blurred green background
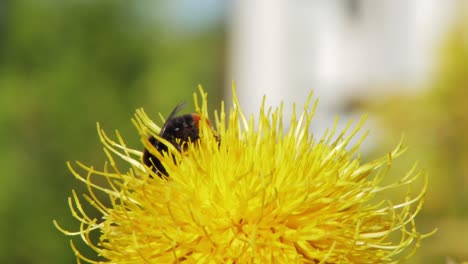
64	65
435	125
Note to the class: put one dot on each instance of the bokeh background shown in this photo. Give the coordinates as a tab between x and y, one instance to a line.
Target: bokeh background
64	65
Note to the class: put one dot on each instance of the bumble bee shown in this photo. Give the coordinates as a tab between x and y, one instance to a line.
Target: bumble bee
178	130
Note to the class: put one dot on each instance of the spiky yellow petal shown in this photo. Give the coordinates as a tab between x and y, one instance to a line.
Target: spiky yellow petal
262	194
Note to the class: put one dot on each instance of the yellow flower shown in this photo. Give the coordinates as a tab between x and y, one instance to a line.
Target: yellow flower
262	194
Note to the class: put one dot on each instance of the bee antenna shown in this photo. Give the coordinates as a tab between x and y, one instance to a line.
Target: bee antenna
171	116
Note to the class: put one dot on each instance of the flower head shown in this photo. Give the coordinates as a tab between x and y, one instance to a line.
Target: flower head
253	193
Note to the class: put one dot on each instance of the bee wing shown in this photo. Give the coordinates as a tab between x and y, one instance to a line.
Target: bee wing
171	116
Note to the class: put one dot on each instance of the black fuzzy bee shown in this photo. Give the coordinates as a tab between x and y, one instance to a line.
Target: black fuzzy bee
178	130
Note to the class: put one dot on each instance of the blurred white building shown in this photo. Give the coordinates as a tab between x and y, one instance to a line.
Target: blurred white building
338	48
